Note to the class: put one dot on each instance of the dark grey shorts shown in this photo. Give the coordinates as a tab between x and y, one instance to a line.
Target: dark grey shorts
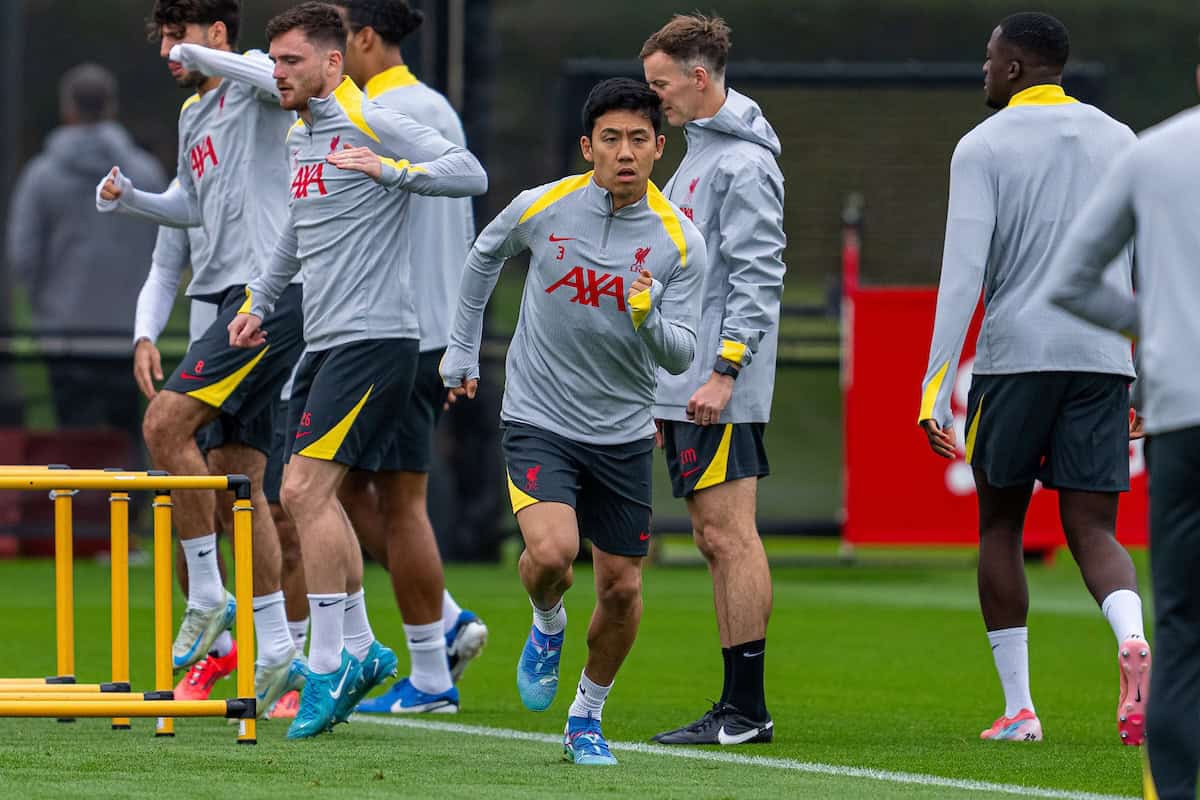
1070	430
607	485
702	456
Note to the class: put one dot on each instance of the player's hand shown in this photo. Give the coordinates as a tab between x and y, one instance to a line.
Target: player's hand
357	159
644	281
659	442
705	406
246	331
467	390
147	367
941	441
1137	426
110	189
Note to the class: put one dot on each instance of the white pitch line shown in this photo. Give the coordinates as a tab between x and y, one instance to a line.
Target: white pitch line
887	776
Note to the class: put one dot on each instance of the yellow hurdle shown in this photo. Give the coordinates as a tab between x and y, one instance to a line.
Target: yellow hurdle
163	555
233	709
119	561
59	696
101	689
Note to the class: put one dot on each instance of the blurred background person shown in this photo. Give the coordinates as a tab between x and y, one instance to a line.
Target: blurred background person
82	270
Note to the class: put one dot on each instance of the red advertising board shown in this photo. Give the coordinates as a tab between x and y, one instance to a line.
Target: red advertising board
896	490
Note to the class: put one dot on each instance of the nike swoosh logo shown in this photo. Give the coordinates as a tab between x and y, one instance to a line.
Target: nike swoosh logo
203	553
554	238
187	376
335	694
753	655
324	604
691	472
735	738
645	537
302	434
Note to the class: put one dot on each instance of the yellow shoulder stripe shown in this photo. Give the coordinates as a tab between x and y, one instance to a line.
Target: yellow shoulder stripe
350	99
397	77
192	99
662	206
327	446
929	396
555	193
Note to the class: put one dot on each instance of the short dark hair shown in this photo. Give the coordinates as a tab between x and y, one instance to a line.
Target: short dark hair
321	23
202	12
89	93
621	93
1043	37
693	39
393	20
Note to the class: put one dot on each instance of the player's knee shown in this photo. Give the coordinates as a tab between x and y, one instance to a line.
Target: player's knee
158	429
719	543
550	557
297	496
620	591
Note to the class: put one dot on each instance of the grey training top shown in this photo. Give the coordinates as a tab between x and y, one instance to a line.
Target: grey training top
1016	182
584	357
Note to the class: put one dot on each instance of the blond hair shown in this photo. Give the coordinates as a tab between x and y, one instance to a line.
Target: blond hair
693	40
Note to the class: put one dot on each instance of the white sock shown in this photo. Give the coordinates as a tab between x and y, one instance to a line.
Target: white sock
270	627
357	632
427	651
550	621
1010	649
328	614
299	633
205	590
1123	610
589	698
450	611
222	645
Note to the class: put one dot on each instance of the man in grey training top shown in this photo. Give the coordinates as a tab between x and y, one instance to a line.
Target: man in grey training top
1049	396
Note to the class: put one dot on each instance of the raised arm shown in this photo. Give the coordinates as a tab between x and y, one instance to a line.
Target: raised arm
413	157
253	68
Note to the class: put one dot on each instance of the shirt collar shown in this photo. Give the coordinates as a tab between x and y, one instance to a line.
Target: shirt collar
1044	94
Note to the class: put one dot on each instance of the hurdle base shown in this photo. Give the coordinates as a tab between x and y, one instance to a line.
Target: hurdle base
122	727
247	741
164	736
61	679
65	719
119	687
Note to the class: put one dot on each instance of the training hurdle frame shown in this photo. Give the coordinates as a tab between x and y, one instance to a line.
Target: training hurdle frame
59	696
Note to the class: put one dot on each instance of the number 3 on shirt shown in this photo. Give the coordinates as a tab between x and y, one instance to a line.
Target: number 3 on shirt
562	252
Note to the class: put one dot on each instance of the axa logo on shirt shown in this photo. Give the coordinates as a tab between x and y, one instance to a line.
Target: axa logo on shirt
590	287
200	154
308	176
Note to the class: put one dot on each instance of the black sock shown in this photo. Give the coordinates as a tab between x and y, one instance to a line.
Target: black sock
727	657
746	685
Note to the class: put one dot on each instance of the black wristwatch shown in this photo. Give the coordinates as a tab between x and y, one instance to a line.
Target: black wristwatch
726	367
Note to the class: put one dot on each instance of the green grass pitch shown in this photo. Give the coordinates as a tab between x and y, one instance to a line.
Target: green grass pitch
876	666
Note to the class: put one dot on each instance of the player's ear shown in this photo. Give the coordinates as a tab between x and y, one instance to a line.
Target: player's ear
659	144
585	147
218	34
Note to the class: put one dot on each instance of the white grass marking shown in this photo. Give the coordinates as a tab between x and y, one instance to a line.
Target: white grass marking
887	776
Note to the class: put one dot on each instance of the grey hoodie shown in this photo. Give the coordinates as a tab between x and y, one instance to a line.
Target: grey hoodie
82	269
730	186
